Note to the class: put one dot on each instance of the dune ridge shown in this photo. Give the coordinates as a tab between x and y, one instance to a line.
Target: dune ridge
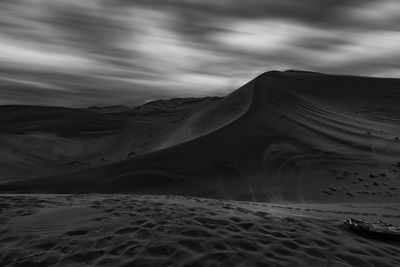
285	136
213	117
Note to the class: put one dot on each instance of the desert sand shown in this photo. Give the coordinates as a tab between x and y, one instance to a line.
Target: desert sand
39	141
155	230
262	177
295	136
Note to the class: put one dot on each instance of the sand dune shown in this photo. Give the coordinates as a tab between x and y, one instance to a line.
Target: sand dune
314	149
294	136
40	141
129	230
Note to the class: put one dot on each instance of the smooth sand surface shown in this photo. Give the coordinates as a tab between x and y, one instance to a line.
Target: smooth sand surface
132	230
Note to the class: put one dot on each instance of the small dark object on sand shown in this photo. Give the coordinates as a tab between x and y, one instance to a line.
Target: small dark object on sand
379	229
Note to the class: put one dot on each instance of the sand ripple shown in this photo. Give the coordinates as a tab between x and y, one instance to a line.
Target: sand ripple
125	230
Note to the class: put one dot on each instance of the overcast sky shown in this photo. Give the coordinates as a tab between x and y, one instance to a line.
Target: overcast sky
104	52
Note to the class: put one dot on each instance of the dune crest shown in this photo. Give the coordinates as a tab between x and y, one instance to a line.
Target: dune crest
285	136
213	117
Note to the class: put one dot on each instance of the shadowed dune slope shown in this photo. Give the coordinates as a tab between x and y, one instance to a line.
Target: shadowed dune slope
42	141
295	136
65	122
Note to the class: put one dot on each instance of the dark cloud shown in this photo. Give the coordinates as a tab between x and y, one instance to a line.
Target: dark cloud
77	53
92	30
316	12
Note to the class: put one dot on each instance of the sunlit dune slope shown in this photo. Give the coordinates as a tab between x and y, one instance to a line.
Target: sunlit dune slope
295	136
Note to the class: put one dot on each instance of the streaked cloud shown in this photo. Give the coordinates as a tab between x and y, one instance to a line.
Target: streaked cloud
81	53
31	55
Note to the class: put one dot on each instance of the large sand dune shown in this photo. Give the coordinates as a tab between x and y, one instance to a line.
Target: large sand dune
295	136
283	139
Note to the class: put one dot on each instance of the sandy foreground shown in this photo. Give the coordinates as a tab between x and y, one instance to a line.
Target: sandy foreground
155	230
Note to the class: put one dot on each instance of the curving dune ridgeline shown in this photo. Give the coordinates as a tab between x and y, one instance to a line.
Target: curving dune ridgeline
284	136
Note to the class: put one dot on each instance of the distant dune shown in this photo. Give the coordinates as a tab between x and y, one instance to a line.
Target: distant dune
284	136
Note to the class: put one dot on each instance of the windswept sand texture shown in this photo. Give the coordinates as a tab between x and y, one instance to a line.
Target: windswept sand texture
130	230
294	136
